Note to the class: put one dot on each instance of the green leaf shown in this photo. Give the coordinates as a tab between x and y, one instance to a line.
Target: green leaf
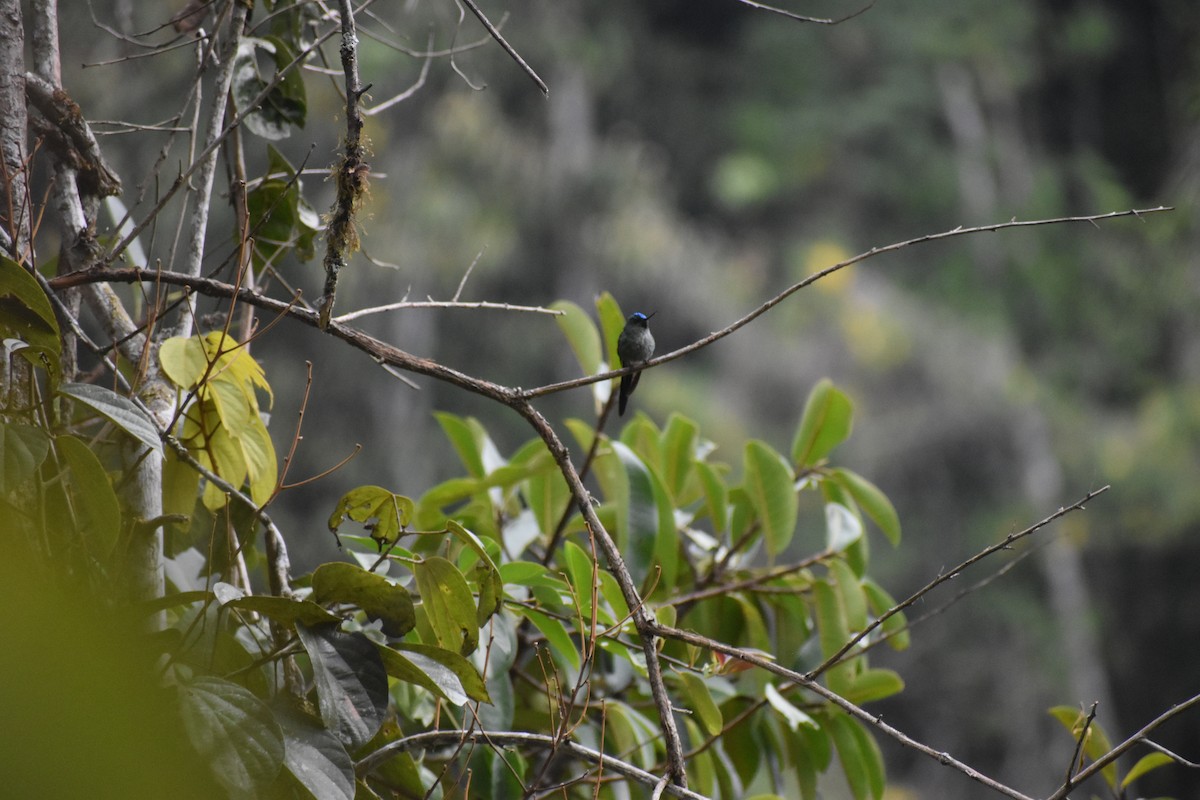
678	452
557	638
234	732
581	333
119	410
316	758
872	501
579	570
97	511
426	656
462	437
22	451
716	495
833	632
702	704
448	604
874	684
895	626
768	484
859	753
25	311
612	322
1145	764
650	522
385	513
422	671
850	593
793	716
285	106
379	598
352	688
491	587
826	423
284	609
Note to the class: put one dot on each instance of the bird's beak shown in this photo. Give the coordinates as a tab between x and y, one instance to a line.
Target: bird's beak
651	314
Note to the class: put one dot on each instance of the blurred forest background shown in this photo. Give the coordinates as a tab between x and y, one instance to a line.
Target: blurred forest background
694	157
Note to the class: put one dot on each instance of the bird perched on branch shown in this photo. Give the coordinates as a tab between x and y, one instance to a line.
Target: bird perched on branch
635	346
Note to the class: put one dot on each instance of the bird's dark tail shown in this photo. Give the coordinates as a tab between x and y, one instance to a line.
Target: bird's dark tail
628	384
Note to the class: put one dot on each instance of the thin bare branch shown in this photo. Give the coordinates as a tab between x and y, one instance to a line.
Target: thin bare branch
779	298
508	48
801	18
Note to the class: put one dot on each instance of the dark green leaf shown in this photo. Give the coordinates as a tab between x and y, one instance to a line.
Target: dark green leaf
121	411
25	310
97	511
22	451
650	522
317	759
425	656
379	598
352	687
234	732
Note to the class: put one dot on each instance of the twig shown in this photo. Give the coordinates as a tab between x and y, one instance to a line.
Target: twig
779	298
1004	544
1079	742
801	18
363	312
748	656
1119	750
508	48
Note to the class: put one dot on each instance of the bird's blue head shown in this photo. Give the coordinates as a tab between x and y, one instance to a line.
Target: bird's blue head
639	318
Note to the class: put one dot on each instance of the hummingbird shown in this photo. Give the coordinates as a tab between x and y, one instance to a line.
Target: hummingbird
635	345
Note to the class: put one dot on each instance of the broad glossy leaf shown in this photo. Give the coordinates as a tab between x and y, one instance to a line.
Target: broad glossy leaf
467	676
768	484
448	604
826	423
317	759
119	410
351	682
379	598
235	733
